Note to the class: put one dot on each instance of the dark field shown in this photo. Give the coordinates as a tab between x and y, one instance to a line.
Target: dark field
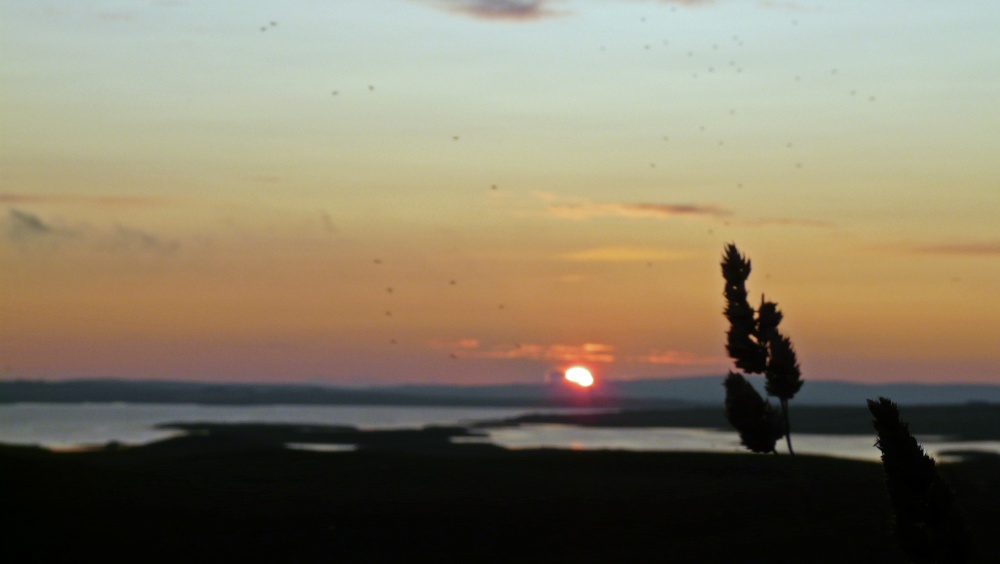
192	501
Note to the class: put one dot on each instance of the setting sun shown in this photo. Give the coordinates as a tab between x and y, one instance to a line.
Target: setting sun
580	376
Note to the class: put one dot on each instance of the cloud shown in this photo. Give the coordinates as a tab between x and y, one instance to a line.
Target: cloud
967	249
328	225
786	222
503	10
790	6
621	254
670	210
762	3
532	10
30	231
677	358
585	209
587	352
467	343
129	239
42	199
568	353
688	2
22	226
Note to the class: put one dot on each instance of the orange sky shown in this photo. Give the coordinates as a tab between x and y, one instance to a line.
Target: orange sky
480	191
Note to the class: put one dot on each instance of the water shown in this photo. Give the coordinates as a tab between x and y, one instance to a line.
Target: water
858	447
75	425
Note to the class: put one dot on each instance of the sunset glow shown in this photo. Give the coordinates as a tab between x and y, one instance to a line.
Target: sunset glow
580	376
392	191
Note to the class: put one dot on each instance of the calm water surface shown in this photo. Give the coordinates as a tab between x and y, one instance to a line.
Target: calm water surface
71	425
74	425
860	447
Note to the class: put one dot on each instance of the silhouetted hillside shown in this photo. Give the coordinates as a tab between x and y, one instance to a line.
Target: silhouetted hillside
262	504
108	391
675	392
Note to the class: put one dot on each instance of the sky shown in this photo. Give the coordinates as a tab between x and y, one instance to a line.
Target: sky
365	192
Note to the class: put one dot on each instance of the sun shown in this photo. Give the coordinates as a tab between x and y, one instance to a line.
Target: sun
580	376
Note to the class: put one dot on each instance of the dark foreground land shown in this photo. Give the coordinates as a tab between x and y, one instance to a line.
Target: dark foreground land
195	500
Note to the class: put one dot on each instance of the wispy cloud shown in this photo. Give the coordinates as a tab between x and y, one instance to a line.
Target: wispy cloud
671	210
23	226
580	209
688	2
786	222
42	199
784	5
790	6
621	254
30	231
128	239
964	249
531	10
585	209
678	358
502	10
466	343
328	225
568	353
587	352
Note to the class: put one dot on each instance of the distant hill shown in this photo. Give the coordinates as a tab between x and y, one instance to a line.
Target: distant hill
124	391
675	392
708	389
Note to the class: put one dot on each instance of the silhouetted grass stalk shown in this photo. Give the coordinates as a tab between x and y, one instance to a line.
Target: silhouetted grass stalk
756	346
927	524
